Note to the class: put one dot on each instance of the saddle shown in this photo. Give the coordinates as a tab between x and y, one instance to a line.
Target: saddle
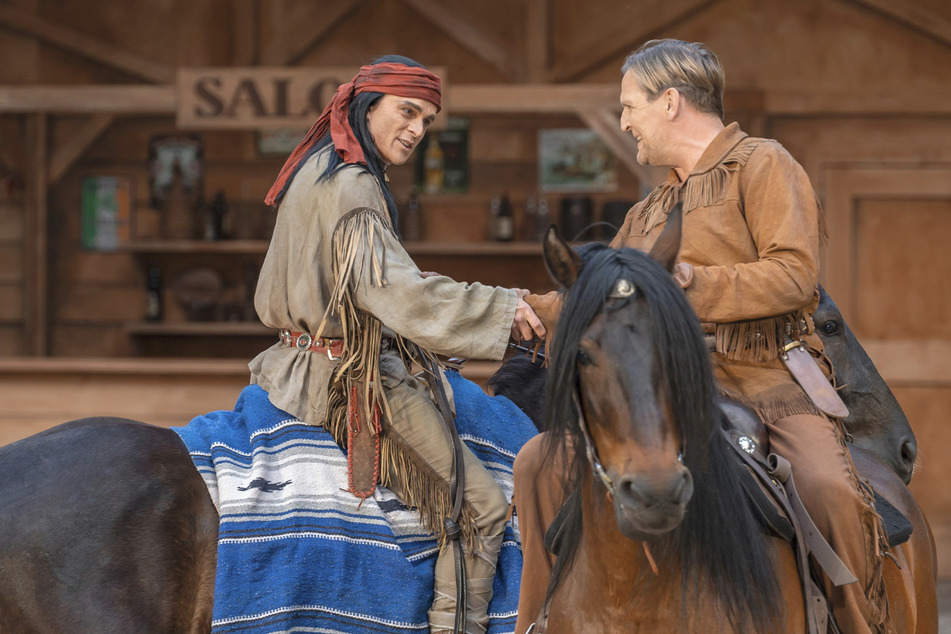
768	482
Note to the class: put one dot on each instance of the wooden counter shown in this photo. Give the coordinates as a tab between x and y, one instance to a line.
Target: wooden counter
38	393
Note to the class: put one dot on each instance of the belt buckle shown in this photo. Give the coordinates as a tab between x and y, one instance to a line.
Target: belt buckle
285	337
304	341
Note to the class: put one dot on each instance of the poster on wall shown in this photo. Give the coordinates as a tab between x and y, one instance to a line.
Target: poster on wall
575	160
106	212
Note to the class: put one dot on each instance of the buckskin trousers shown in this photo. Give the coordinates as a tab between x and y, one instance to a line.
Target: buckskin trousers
417	420
843	511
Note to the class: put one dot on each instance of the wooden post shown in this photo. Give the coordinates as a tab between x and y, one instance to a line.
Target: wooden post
35	239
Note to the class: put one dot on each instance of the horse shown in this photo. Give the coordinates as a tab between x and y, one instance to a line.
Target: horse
876	422
661	537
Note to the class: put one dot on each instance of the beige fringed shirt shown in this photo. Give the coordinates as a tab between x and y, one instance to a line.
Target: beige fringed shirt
297	282
751	231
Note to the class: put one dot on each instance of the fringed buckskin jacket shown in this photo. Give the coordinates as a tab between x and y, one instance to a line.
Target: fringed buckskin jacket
751	231
335	268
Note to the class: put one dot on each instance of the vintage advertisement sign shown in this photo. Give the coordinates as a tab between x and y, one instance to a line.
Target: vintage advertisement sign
262	97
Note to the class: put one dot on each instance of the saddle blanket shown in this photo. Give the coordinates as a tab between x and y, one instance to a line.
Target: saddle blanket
298	553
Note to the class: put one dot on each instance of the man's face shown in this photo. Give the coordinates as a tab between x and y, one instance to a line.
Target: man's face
397	125
645	120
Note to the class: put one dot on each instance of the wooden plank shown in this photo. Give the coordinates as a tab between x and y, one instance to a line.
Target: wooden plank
91	48
11	263
469	37
70	150
115	99
35	241
917	362
645	18
245	40
299	36
11	222
914	15
540	99
11	302
537	40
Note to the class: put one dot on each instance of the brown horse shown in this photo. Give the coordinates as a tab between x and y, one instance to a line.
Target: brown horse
662	539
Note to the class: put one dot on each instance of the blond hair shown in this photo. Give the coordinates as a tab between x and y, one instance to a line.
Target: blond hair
689	67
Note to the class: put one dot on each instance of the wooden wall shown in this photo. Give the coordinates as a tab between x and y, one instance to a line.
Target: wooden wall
856	89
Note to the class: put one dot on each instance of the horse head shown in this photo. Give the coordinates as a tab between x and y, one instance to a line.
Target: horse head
620	344
876	421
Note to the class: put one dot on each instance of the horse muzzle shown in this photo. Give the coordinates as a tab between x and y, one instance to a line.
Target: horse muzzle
649	506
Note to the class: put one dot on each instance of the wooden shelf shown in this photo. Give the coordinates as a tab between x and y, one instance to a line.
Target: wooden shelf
199	329
256	247
238	247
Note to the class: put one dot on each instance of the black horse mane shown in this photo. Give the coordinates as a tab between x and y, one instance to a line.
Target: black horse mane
719	545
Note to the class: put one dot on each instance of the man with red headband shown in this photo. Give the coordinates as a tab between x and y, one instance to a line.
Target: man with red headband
354	311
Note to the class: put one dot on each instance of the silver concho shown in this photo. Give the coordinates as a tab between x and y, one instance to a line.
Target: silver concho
622	288
747	444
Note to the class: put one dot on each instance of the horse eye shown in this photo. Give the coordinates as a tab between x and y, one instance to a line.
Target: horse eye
584	358
829	327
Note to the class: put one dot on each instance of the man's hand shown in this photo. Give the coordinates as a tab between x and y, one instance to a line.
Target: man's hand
527	324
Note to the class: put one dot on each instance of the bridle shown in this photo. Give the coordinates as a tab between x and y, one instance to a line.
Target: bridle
623	288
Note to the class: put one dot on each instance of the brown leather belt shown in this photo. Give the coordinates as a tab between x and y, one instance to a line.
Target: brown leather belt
333	348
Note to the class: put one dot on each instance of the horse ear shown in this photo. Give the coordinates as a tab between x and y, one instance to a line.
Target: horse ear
665	250
563	264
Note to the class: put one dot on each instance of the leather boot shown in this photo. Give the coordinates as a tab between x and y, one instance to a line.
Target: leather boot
480	576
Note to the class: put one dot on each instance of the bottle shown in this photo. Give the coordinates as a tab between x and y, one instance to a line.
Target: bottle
412	220
529	220
154	308
504	221
542	219
433	167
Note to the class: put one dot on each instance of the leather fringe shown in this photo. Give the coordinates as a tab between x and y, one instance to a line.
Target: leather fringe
401	469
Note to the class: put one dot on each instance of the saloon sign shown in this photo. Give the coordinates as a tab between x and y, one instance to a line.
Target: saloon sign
259	97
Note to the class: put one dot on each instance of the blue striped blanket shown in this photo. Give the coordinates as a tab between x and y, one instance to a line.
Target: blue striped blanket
297	553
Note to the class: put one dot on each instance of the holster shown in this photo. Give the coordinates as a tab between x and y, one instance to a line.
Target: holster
814	383
363	441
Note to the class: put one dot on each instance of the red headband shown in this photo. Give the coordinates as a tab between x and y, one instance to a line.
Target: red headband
387	78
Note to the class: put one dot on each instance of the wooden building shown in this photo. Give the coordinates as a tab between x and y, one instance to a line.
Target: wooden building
858	90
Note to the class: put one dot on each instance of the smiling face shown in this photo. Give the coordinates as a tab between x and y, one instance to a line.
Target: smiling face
397	125
645	120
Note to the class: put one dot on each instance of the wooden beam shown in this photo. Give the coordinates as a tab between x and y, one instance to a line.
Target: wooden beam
117	99
489	98
531	98
301	35
84	45
606	125
13	154
35	240
913	15
537	39
648	17
74	147
469	37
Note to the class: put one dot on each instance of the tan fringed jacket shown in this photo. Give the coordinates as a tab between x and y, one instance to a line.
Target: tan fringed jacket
751	231
297	283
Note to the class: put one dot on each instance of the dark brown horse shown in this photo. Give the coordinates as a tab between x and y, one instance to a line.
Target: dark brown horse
662	539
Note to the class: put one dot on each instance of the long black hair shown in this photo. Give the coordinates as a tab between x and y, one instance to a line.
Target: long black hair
359	109
719	546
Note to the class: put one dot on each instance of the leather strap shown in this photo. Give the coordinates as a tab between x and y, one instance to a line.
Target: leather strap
333	348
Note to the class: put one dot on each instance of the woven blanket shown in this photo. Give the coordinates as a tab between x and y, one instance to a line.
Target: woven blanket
297	553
